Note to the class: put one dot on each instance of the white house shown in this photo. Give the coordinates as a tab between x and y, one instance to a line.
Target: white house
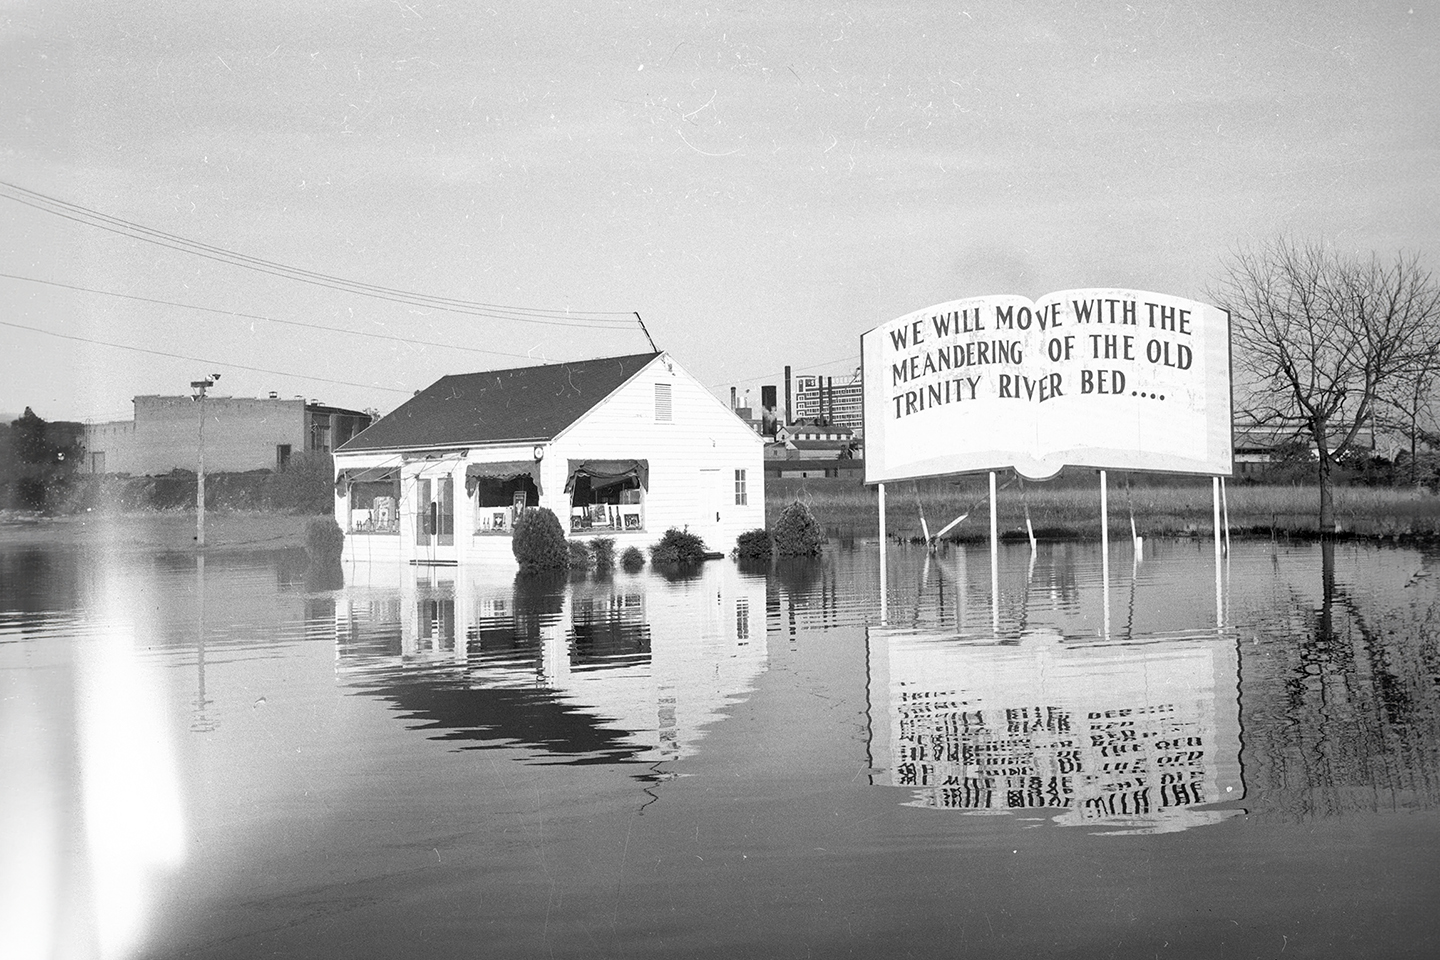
622	447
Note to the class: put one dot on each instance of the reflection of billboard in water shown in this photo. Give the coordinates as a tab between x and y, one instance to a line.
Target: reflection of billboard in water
1134	736
626	668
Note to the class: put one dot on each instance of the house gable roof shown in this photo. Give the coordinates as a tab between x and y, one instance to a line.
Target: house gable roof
496	406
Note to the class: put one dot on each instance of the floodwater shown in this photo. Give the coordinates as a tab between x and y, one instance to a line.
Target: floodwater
219	759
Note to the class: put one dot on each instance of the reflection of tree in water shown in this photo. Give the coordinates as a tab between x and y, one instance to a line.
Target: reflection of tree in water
37	580
799	575
515	636
323	575
802	590
679	572
751	567
1339	704
539	601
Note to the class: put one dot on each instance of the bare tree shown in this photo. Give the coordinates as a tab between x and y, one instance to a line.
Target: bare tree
1322	342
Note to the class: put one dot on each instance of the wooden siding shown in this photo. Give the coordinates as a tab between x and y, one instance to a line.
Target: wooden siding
701	433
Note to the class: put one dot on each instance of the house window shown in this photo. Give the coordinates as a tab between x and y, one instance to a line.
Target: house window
498	502
613	507
741	498
320	436
375	506
282	456
662	403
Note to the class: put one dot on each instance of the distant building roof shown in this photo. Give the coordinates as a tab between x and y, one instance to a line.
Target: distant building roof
496	406
809	450
833	446
810	432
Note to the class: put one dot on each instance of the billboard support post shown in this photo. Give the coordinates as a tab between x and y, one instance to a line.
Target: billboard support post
994	559
1104	526
1219	613
1225	516
884	605
1105	550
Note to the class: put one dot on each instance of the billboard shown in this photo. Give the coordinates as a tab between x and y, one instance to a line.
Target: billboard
1118	379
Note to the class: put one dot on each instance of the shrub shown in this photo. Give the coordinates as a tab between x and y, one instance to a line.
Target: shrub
603	551
101	492
797	533
754	545
678	547
539	542
306	485
324	540
632	560
581	557
31	493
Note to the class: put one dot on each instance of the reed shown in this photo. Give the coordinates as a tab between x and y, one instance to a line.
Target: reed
1070	507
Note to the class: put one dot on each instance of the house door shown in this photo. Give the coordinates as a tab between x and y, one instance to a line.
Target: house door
435	520
712	507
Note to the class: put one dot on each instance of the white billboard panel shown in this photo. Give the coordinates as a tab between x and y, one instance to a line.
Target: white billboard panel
1118	379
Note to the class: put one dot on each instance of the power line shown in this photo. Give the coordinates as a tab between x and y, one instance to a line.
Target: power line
204	360
592	319
316	326
256	316
767	376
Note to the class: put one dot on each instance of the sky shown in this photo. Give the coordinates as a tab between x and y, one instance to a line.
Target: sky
288	187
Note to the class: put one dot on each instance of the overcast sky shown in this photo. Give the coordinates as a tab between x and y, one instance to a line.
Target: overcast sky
761	182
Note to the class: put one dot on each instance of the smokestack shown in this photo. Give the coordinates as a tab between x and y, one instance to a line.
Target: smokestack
829	399
732	398
788	408
767	410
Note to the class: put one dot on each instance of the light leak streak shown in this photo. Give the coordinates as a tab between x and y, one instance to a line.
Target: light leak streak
134	823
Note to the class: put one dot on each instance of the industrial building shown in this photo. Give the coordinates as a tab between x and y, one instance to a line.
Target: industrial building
240	434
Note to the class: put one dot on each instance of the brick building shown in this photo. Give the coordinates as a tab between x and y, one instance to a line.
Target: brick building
241	433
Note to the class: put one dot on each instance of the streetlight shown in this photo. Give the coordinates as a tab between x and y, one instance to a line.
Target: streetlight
200	386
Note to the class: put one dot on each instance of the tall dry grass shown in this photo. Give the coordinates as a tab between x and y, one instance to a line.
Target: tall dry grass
1071	507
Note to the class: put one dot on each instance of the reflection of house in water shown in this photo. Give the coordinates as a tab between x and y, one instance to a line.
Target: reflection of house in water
1132	736
629	668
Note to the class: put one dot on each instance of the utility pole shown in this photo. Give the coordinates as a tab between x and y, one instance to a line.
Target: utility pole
200	386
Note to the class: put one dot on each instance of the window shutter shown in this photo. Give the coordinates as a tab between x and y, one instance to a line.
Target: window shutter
662	403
